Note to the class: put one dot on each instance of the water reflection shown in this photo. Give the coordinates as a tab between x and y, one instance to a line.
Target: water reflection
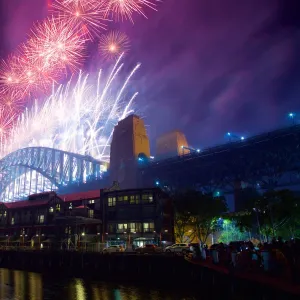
19	285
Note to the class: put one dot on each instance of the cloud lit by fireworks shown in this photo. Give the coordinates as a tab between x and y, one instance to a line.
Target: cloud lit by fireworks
112	44
86	16
121	10
77	118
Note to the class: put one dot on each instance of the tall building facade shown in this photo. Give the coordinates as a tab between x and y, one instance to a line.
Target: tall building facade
129	140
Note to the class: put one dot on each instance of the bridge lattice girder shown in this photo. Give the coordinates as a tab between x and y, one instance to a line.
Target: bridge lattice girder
271	159
59	167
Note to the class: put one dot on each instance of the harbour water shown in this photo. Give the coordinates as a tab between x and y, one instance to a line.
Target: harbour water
21	285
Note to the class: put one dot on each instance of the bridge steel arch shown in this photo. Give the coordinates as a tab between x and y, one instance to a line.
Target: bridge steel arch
37	169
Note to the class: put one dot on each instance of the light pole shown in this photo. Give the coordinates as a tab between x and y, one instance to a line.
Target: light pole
292	117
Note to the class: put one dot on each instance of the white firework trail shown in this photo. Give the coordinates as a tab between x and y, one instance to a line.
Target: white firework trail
76	118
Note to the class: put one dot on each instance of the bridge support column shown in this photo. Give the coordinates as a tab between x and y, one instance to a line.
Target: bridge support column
129	140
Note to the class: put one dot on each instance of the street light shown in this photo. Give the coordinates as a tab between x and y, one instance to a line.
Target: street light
292	117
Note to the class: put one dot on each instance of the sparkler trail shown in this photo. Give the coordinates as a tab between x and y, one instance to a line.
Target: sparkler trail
112	44
78	119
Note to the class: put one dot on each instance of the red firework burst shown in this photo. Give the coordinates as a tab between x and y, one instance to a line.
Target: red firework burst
10	75
124	9
6	124
55	45
85	15
11	102
112	44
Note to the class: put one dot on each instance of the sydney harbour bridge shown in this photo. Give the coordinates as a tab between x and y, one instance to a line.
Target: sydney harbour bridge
37	169
269	160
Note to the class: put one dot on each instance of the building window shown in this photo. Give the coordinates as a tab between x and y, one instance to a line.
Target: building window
148	227
111	228
5	214
12	221
148	198
123	199
122	227
41	219
112	201
91	201
134	199
91	213
51	210
70	206
135	227
57	207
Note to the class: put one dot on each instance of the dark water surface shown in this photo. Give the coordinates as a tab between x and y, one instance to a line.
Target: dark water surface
20	285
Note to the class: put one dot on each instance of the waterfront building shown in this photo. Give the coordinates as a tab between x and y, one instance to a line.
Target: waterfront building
88	219
135	217
47	219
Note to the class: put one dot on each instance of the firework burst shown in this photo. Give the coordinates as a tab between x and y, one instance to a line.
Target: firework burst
10	74
121	10
86	16
55	45
78	119
11	103
112	44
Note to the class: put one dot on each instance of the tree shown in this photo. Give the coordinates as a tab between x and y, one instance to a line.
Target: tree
231	232
202	210
274	212
183	227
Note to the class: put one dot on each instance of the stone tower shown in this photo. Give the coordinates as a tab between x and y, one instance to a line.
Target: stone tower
129	140
170	145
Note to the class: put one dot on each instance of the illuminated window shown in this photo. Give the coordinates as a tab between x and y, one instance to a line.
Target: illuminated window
5	214
123	199
135	227
112	201
57	207
51	209
91	201
12	221
41	219
70	206
134	199
91	213
122	227
147	198
148	227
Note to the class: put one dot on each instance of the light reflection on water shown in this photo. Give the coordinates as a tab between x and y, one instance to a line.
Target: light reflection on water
19	285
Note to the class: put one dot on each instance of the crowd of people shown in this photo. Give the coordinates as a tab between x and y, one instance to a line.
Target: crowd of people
278	258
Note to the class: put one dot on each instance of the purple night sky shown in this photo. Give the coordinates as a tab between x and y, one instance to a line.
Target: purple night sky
208	66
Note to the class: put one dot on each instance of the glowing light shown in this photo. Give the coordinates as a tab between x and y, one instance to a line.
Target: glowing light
112	44
242	138
77	118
